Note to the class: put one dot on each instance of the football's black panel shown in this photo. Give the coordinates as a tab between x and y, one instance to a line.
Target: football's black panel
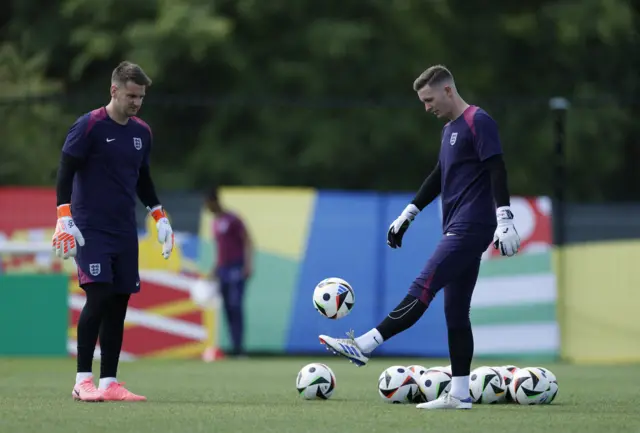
353	295
442	387
509	396
388	392
519	383
416	397
419	397
471	393
500	378
409	380
331	386
534	378
531	393
387	378
320	394
340	299
496	389
487	380
553	397
322	310
319	380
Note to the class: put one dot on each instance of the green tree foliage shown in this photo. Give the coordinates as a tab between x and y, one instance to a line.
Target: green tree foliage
320	94
27	127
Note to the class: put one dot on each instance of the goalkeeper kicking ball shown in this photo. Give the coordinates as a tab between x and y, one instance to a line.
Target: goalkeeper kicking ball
316	382
333	298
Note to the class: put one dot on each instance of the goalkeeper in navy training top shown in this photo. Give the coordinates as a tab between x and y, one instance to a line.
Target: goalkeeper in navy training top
471	179
104	167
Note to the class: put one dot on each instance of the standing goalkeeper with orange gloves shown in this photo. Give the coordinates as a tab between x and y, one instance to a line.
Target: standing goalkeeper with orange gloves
103	168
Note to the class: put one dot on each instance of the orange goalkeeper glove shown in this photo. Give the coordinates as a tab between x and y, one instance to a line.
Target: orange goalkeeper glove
67	236
165	232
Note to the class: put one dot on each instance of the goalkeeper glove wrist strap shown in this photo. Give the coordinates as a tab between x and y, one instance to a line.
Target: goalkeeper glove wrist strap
64	210
410	211
157	212
504	212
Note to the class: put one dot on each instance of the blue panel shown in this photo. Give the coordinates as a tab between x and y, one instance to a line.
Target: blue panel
428	337
344	240
347	239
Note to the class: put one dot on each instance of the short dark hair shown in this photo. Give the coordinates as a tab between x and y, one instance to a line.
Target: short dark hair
434	75
127	71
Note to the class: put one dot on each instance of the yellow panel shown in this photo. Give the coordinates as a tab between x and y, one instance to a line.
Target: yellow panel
599	302
175	308
268	213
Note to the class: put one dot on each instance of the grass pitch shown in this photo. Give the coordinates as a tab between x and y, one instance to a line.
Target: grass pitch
259	395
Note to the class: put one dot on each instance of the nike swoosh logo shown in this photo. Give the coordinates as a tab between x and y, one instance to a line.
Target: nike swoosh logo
109	140
505	230
376	340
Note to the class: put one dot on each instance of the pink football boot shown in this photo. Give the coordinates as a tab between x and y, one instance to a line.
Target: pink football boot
86	391
117	392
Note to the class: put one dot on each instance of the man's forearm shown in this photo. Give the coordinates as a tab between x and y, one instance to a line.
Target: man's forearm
146	190
64	182
430	189
499	185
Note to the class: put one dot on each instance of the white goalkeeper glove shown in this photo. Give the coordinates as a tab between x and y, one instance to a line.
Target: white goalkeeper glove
400	226
506	238
165	232
67	236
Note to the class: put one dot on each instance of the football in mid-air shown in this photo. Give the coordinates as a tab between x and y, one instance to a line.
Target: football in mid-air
316	381
397	384
334	298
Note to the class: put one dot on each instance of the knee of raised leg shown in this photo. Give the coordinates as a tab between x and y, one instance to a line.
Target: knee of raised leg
422	292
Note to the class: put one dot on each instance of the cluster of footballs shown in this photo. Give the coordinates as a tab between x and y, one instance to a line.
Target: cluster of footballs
417	384
334	298
487	385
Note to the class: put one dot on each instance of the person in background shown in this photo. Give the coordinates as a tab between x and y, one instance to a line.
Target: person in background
234	265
